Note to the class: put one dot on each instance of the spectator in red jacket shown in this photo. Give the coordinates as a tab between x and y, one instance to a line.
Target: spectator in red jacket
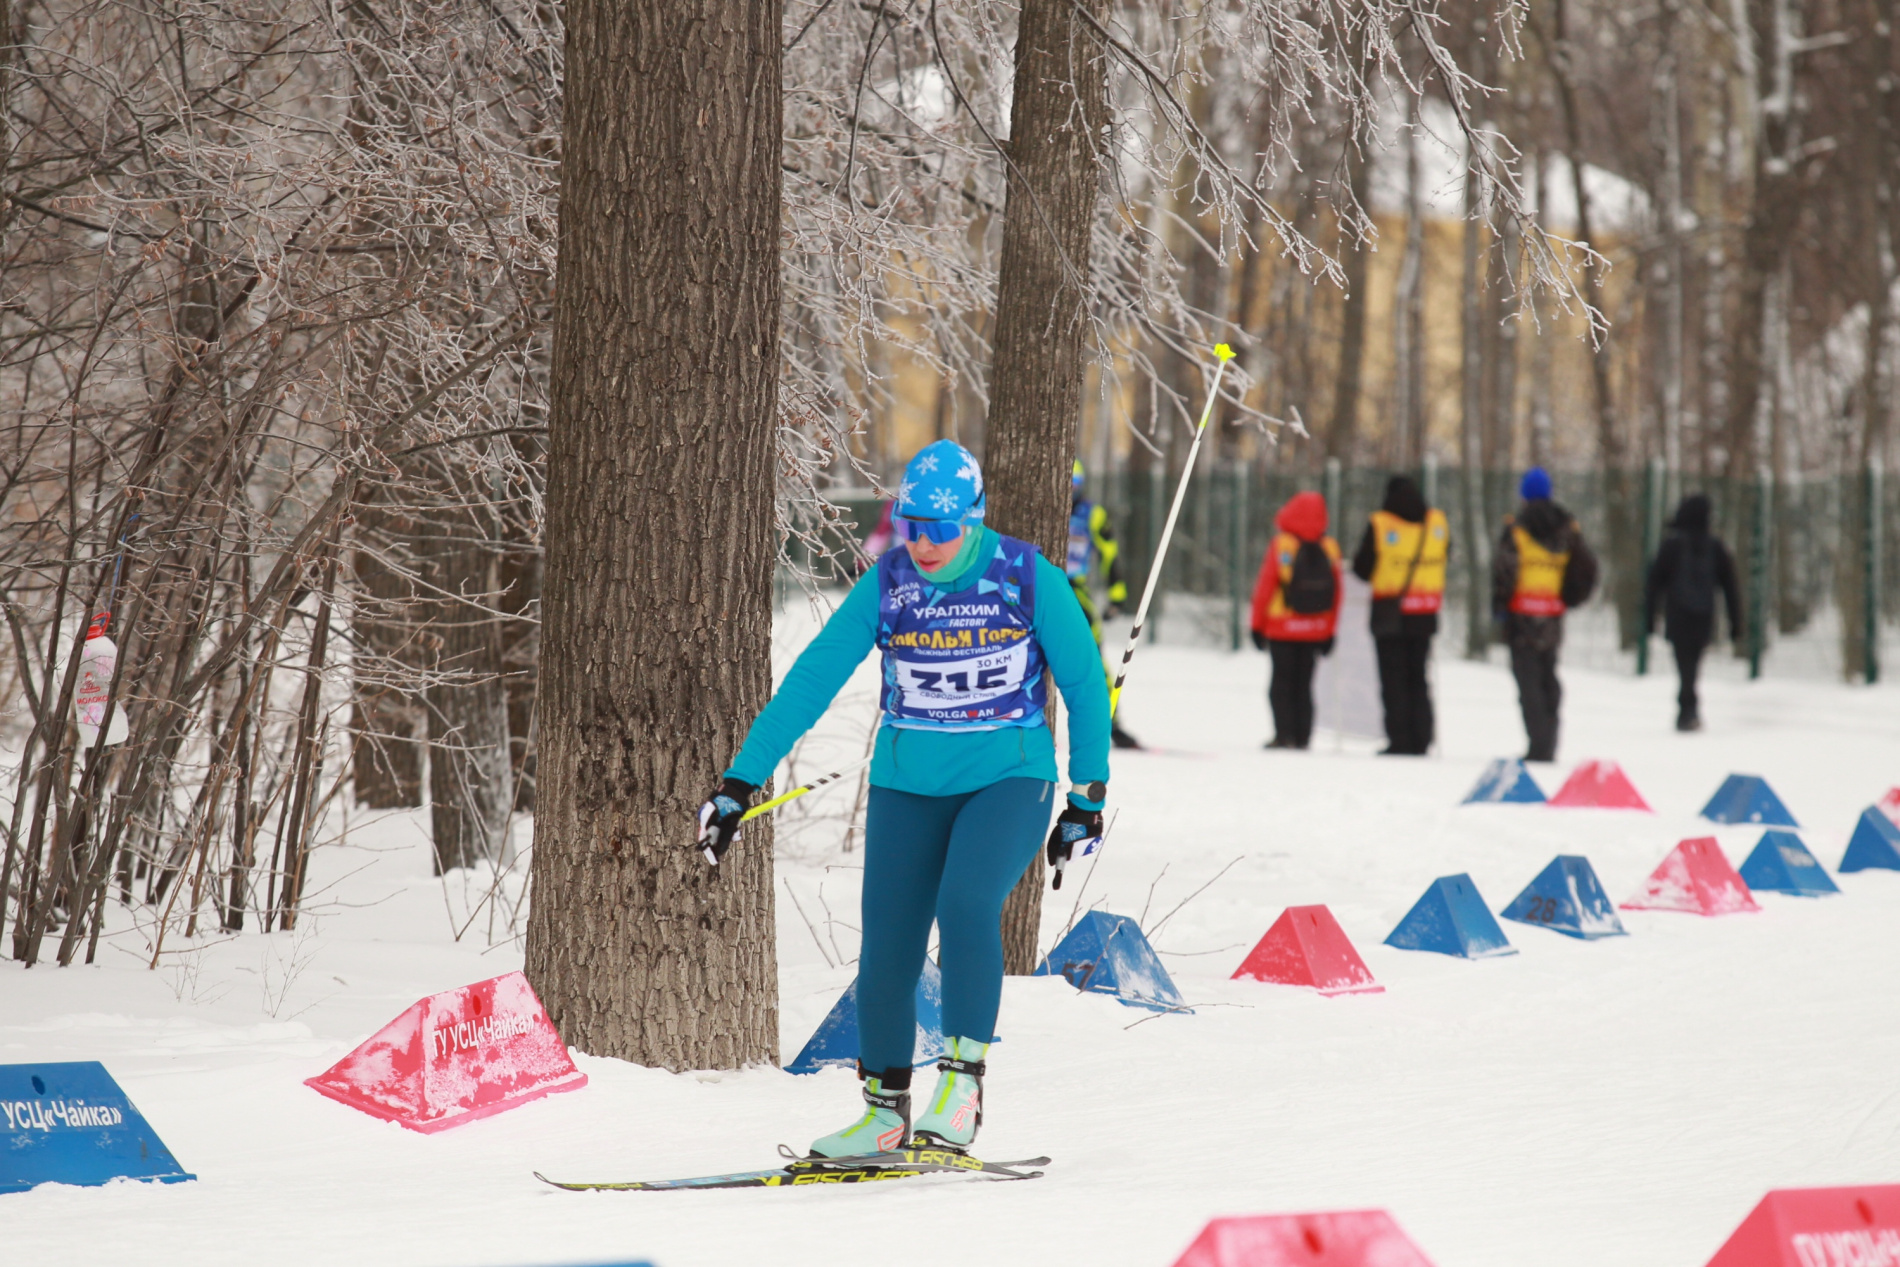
1296	612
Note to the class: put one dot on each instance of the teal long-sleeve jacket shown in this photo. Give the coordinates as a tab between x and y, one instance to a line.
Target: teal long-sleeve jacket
944	762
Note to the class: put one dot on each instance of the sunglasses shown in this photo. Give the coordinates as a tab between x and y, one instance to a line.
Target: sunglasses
941	531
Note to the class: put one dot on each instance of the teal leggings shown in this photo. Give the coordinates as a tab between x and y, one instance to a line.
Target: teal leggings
954	859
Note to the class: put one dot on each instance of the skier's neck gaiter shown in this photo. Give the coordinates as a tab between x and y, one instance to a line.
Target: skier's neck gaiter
973	548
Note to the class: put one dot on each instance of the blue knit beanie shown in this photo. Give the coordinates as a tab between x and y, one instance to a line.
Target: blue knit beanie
942	482
1535	486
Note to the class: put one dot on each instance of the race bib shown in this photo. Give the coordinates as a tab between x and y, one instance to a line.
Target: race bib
963	683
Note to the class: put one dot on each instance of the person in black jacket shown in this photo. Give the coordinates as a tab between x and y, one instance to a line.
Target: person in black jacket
1690	566
1403	554
1541	569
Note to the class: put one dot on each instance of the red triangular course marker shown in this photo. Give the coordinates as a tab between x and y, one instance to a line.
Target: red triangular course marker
1306	946
1890	805
454	1057
1599	785
1696	878
1818	1227
1345	1238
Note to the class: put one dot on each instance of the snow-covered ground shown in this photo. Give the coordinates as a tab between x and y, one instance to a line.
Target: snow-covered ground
1623	1101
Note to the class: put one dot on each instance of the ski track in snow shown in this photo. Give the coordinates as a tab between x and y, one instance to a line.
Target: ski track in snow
1621	1101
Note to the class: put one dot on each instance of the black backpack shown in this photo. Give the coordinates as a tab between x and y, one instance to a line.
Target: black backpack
1312	588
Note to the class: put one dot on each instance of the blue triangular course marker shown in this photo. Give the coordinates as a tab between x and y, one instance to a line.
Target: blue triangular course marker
834	1043
1566	897
1747	798
1107	954
1505	782
1452	919
1782	864
70	1123
1875	843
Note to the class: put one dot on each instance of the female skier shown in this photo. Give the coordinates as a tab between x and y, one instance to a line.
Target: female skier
962	778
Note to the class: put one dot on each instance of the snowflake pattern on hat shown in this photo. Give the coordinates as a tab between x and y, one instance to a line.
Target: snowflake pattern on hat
943	481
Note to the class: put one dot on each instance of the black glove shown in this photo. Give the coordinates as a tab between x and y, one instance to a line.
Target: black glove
1077	834
1326	648
719	818
1259	640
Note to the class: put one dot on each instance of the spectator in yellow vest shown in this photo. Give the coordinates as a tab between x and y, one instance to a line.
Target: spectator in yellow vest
1542	568
1403	554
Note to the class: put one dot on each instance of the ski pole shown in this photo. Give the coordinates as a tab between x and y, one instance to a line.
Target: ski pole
1225	354
785	798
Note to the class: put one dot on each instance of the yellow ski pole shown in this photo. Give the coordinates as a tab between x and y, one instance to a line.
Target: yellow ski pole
1225	354
786	798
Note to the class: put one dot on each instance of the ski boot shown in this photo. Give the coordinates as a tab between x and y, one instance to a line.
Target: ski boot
956	1107
884	1126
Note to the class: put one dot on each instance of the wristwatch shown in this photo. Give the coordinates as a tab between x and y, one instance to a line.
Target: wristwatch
1095	791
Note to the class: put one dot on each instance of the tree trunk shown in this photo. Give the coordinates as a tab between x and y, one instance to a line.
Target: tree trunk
1471	453
1879	62
1541	428
1252	312
1624	547
1344	429
1671	369
1774	205
471	790
1502	325
1408	319
519	641
1770	221
657	595
1877	442
1042	299
385	759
